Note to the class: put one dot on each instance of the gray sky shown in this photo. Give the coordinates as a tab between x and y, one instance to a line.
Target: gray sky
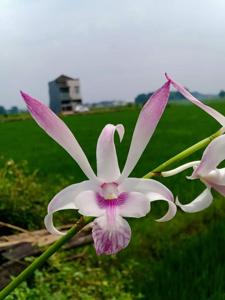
118	48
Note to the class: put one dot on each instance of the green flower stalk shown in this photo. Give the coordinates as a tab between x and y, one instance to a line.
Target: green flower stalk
184	154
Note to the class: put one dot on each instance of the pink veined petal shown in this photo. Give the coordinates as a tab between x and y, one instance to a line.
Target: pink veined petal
201	202
65	199
135	206
110	236
145	126
58	130
87	204
107	162
154	191
212	112
212	156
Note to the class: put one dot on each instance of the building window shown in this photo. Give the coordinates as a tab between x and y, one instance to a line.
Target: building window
77	89
64	93
64	90
77	101
65	101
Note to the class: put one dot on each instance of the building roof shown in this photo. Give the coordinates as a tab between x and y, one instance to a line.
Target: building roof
63	78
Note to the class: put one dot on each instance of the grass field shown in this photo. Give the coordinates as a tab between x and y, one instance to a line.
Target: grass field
181	259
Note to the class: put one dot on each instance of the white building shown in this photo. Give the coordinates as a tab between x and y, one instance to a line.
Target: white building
64	93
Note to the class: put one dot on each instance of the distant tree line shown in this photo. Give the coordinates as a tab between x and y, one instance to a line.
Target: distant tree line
142	98
12	111
222	94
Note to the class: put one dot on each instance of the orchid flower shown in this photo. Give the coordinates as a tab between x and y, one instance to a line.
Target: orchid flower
111	195
206	169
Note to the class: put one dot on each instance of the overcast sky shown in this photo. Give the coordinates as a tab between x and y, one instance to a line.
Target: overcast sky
117	48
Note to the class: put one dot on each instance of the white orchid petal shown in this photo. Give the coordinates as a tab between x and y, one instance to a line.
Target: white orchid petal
135	206
110	236
172	209
216	176
219	188
180	169
212	112
48	220
154	191
58	130
107	162
87	204
213	155
65	199
215	180
201	202
145	126
146	186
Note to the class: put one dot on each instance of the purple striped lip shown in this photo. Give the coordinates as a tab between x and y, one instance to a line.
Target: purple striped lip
111	241
104	203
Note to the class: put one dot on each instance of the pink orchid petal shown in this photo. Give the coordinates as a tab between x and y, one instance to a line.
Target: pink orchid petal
87	204
65	199
110	234
58	130
154	191
107	162
212	112
145	126
213	155
135	206
201	202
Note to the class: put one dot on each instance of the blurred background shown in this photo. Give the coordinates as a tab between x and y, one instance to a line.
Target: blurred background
97	62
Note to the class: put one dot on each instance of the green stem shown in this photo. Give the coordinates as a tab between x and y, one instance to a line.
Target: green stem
187	152
83	221
43	257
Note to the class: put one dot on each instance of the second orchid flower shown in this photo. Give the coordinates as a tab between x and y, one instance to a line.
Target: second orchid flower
206	169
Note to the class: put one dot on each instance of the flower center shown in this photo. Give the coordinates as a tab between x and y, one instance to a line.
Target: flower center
110	191
110	196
